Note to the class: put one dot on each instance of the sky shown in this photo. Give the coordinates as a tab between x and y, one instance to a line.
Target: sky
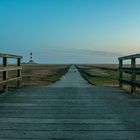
70	31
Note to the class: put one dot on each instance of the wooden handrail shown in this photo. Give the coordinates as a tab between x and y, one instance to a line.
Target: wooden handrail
10	56
5	69
10	80
10	68
132	70
129	57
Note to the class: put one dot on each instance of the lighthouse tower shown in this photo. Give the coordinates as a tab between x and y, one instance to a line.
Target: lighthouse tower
31	59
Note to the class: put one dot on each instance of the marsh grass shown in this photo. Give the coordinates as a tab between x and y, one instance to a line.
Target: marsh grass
105	75
43	74
38	75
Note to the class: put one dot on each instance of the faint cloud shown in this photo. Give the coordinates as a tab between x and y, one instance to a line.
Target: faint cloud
61	55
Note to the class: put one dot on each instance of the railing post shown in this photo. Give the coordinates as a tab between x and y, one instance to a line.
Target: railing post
5	75
19	71
133	76
120	72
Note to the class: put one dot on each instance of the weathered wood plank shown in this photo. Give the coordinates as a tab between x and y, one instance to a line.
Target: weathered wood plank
129	57
5	75
137	84
70	135
19	71
12	68
10	56
133	75
130	70
11	80
120	72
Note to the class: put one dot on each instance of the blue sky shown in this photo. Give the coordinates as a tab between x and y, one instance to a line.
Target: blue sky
70	31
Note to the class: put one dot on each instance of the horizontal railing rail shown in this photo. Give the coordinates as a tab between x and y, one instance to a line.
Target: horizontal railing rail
133	71
10	56
129	57
5	68
130	70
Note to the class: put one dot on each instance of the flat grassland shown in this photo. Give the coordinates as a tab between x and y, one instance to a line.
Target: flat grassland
42	74
100	74
39	74
104	74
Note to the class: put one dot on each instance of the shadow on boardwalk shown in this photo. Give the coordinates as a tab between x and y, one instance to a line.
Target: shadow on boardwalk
69	109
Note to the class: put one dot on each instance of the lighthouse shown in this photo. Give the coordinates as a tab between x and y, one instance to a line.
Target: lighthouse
31	59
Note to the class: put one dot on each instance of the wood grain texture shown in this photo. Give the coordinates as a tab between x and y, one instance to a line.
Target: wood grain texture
69	111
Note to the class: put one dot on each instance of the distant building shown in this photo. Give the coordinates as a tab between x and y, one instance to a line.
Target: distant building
31	59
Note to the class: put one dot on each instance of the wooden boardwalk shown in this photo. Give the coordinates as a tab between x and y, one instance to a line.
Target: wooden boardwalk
69	112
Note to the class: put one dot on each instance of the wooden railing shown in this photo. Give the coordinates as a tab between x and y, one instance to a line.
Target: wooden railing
132	70
6	68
